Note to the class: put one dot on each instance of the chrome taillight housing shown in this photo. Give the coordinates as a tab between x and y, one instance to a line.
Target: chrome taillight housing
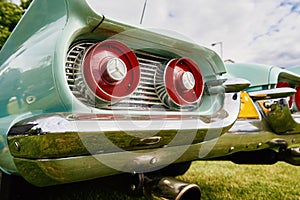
108	74
111	71
179	84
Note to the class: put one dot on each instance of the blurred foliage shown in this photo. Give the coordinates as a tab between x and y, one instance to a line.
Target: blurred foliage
10	14
25	4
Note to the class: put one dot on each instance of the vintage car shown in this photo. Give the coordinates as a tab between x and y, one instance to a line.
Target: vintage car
84	97
265	77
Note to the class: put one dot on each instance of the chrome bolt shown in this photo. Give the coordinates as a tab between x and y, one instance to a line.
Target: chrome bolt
30	99
133	187
116	69
231	149
153	161
259	145
188	80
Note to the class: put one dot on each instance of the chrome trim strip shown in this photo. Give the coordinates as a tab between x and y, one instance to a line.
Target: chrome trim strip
236	84
272	93
72	122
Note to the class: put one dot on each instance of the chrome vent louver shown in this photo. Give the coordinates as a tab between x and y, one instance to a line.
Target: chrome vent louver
74	74
145	95
149	94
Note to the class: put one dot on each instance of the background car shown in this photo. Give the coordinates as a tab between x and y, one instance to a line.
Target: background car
267	129
265	77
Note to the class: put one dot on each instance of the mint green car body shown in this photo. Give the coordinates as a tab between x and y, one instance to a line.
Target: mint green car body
262	76
34	88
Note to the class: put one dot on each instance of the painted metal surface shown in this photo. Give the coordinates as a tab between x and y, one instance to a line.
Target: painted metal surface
261	76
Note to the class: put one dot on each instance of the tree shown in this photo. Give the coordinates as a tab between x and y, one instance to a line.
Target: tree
10	14
25	4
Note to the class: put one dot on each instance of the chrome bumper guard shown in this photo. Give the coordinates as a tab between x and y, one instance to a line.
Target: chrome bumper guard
276	133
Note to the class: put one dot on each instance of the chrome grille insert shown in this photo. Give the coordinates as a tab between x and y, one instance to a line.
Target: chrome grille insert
74	74
145	96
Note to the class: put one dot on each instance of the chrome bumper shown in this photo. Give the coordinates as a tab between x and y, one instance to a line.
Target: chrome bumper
67	147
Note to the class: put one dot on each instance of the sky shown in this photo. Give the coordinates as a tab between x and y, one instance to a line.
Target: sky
251	31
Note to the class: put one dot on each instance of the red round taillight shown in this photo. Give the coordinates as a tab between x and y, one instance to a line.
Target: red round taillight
180	84
111	70
286	84
297	98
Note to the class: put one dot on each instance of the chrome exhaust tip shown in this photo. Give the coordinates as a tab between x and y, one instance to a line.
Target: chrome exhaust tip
169	188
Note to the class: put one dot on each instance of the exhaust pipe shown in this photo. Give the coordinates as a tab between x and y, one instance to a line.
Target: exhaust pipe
154	188
169	188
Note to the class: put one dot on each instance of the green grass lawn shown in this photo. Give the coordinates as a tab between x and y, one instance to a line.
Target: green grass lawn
225	180
218	180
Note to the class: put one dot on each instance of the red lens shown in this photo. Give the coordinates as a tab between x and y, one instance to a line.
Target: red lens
286	84
183	81
111	70
283	84
297	97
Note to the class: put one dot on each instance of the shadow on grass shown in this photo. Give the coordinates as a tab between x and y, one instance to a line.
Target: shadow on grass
218	180
100	189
